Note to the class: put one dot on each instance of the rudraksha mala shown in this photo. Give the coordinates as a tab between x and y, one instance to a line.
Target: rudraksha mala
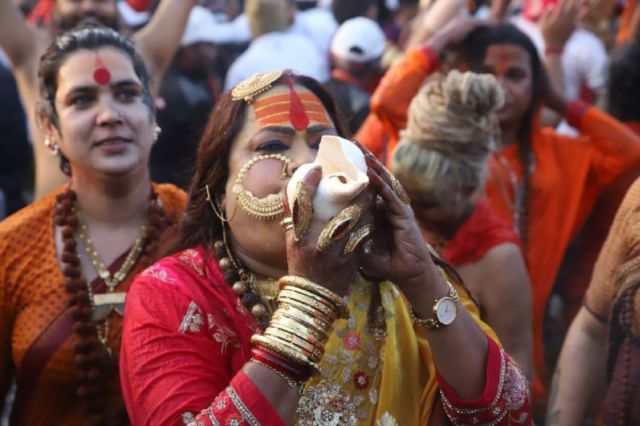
95	366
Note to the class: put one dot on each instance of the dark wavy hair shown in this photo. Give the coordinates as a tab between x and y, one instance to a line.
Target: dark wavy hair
200	224
473	51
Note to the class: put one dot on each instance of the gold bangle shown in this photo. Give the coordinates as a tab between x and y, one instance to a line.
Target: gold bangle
321	323
318	290
281	315
305	338
308	294
284	351
292	326
300	301
314	350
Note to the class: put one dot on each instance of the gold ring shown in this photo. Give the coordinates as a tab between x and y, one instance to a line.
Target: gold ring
302	211
339	226
400	191
286	223
356	238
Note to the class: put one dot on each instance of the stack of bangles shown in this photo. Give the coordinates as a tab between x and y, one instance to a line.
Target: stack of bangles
293	343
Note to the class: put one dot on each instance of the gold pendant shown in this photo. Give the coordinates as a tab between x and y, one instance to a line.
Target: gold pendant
104	304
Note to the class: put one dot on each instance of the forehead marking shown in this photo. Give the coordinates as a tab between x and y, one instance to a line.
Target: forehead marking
282	109
101	74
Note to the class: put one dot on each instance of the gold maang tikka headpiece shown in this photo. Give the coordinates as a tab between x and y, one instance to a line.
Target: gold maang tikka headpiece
253	86
265	208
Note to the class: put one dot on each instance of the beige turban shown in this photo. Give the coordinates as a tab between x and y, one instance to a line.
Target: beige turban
451	130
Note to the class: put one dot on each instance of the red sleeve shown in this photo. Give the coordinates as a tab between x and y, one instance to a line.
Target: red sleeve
176	363
618	146
391	100
505	399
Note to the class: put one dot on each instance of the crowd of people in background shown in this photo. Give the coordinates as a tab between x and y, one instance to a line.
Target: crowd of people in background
145	144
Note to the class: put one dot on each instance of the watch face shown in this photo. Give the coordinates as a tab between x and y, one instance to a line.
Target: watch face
446	310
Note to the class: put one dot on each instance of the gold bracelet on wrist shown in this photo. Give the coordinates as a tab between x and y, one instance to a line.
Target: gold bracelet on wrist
318	308
307	340
292	326
308	294
318	290
320	323
309	349
290	319
440	318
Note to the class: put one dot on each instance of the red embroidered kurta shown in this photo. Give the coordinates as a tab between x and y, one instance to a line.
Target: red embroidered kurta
186	337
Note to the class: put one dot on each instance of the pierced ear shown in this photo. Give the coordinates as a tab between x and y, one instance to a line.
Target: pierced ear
44	116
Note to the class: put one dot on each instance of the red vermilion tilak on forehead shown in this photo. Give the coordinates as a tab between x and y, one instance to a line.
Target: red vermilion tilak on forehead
293	107
503	62
101	74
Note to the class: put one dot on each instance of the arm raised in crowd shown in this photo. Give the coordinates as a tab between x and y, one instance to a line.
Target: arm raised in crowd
159	40
401	83
16	37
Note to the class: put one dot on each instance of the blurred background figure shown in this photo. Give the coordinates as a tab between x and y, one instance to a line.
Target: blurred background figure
344	10
15	150
188	91
583	57
356	53
273	47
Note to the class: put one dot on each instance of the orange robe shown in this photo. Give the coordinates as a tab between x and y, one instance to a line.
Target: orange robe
626	21
568	176
32	294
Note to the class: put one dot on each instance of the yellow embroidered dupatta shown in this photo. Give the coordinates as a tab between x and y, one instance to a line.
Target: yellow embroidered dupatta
377	368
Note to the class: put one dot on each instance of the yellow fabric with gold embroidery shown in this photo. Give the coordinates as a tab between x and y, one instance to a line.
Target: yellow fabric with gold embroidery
366	380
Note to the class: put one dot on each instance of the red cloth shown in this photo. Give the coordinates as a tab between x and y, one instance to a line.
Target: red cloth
185	339
481	232
41	14
504	396
139	5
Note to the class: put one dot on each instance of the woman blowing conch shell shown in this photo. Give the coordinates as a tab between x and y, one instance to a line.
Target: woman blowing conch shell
203	344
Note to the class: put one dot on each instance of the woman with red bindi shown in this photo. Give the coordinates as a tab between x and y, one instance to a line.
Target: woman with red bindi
66	261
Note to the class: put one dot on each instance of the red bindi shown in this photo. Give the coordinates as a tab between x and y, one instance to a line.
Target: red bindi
297	115
503	62
101	74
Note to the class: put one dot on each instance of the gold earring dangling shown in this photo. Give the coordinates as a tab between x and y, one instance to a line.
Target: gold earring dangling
216	210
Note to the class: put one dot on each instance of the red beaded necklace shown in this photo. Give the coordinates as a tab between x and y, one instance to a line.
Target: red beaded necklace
93	359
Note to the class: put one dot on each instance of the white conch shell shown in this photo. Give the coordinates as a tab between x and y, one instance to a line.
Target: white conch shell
344	176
